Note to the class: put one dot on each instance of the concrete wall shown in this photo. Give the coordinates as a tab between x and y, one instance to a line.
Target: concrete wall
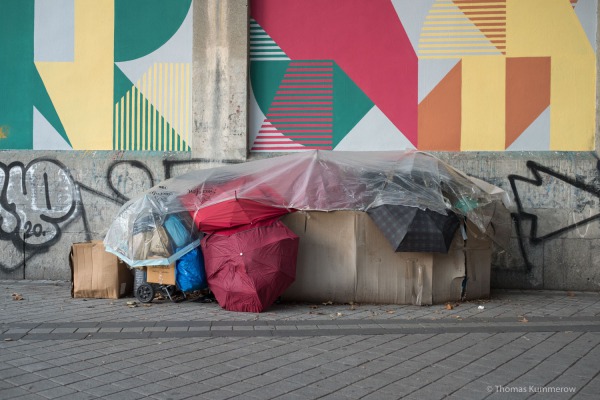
51	199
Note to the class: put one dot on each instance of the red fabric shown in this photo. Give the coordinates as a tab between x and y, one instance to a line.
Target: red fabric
216	207
239	214
248	270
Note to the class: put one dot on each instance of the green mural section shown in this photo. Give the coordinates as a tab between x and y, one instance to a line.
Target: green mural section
122	85
266	76
21	87
142	26
350	104
139	126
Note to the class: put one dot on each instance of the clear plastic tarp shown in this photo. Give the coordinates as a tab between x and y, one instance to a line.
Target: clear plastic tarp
163	223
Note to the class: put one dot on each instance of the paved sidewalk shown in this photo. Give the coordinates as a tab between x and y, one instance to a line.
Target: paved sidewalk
518	344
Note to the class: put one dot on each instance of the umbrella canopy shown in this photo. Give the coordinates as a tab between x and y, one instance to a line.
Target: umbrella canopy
216	207
234	215
248	270
411	229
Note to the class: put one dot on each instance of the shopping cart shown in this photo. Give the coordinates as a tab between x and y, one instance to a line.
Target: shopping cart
161	280
145	291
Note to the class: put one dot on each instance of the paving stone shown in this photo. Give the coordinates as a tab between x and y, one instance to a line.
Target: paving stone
21	380
30	396
66	379
419	352
13	392
124	395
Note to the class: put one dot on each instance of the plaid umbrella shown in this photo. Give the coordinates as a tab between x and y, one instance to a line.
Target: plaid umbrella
411	229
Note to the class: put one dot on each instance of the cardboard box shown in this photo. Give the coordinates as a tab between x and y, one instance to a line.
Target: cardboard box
344	257
98	274
162	274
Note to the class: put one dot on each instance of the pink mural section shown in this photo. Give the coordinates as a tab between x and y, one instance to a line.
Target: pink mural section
368	43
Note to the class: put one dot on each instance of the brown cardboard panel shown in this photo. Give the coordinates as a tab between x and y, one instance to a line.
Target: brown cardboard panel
385	276
344	258
326	266
448	276
478	274
162	274
97	273
471	257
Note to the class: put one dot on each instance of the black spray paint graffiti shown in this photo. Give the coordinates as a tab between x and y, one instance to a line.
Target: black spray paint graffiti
28	216
26	211
38	201
521	216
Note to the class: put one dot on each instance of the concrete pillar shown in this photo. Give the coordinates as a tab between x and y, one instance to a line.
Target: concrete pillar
220	76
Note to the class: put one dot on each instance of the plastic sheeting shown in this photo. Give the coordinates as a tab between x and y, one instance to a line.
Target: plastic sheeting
311	180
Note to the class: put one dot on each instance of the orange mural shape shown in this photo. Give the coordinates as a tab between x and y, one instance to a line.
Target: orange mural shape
440	114
527	93
489	16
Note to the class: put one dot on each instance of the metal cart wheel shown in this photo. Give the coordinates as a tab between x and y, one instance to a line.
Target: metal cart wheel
145	293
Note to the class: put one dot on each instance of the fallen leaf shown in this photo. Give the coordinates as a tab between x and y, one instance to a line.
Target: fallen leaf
449	306
17	296
328	303
523	319
390	311
570	294
314	307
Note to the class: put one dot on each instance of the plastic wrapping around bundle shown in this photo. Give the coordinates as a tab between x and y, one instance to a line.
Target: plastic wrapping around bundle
141	236
190	274
311	180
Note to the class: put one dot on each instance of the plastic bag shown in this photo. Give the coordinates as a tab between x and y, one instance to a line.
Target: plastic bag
189	271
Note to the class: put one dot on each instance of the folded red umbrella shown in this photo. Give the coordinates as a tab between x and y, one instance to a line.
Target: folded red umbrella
248	270
217	206
235	213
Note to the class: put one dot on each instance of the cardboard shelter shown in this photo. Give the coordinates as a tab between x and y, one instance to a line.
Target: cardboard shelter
344	257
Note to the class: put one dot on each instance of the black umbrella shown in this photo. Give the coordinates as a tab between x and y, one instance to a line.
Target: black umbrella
411	229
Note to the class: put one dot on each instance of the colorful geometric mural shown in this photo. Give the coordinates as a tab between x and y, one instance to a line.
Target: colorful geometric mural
444	75
96	75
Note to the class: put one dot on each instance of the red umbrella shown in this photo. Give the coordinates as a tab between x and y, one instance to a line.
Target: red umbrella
236	214
217	206
248	270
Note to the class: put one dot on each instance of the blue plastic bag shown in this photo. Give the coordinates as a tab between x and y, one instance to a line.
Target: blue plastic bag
189	271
